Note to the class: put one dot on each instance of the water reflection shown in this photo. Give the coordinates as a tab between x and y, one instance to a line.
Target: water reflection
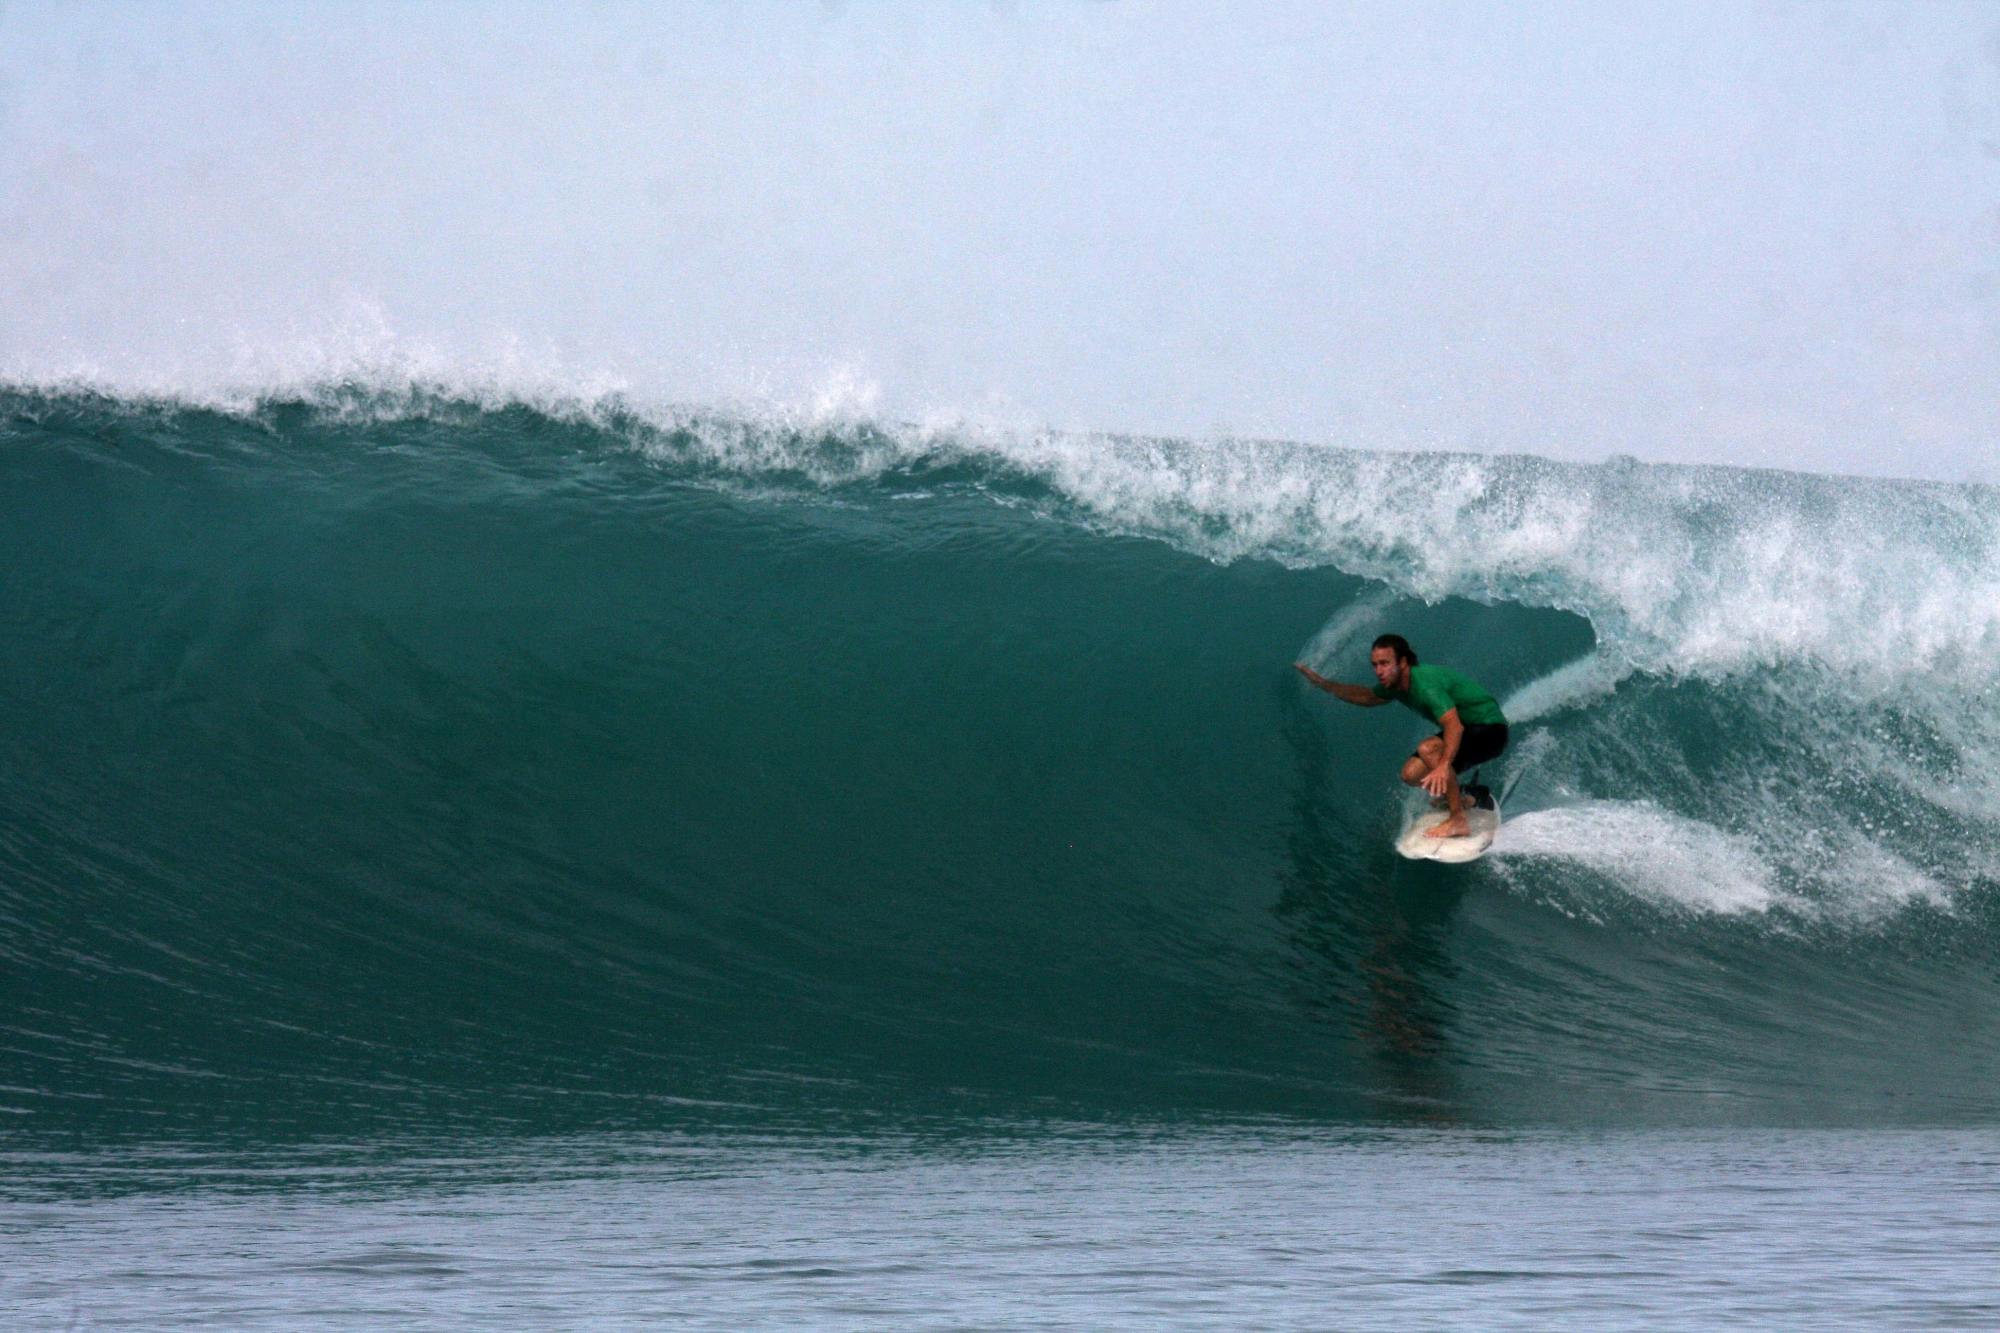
1371	935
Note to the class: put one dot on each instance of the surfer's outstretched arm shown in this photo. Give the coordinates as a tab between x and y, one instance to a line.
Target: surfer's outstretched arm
1359	695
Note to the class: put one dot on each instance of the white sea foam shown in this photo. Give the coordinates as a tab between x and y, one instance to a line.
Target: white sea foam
1866	879
1682	571
1666	858
1810	866
1568	686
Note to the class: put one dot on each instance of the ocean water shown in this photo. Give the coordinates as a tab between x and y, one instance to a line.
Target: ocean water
480	857
1044	1226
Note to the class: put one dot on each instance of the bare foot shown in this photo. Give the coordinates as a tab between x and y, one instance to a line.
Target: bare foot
1455	827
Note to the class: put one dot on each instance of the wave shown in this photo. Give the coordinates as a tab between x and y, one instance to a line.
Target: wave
381	750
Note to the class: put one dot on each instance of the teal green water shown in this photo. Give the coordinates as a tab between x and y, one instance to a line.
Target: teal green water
389	764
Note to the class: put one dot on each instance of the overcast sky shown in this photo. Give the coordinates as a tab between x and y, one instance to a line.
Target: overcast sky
1752	233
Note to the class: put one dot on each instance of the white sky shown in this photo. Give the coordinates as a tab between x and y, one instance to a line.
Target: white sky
1752	233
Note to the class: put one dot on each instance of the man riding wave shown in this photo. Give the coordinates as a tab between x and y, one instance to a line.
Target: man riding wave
1471	728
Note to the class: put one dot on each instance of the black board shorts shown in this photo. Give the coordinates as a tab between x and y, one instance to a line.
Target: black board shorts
1482	741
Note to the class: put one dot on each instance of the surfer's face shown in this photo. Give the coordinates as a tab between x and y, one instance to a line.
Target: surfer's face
1388	668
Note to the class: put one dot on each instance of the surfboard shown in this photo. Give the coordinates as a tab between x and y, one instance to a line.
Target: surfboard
1484	821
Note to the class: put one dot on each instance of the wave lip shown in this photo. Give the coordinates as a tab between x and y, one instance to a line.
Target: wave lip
1682	570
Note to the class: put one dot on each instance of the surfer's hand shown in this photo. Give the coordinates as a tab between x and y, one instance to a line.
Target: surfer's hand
1311	675
1435	780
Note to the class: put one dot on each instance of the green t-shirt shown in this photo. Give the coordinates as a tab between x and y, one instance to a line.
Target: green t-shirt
1435	691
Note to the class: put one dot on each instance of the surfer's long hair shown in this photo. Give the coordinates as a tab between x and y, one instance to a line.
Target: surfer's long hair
1398	645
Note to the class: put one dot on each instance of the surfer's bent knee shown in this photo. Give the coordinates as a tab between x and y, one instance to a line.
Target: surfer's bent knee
1417	765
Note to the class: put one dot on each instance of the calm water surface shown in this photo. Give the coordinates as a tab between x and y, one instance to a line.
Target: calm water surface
1094	1229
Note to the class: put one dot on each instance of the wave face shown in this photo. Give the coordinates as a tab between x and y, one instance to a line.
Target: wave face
383	756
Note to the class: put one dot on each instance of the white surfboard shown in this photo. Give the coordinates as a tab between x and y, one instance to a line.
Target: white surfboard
1417	846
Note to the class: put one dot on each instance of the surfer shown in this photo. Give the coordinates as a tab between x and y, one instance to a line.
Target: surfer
1471	728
